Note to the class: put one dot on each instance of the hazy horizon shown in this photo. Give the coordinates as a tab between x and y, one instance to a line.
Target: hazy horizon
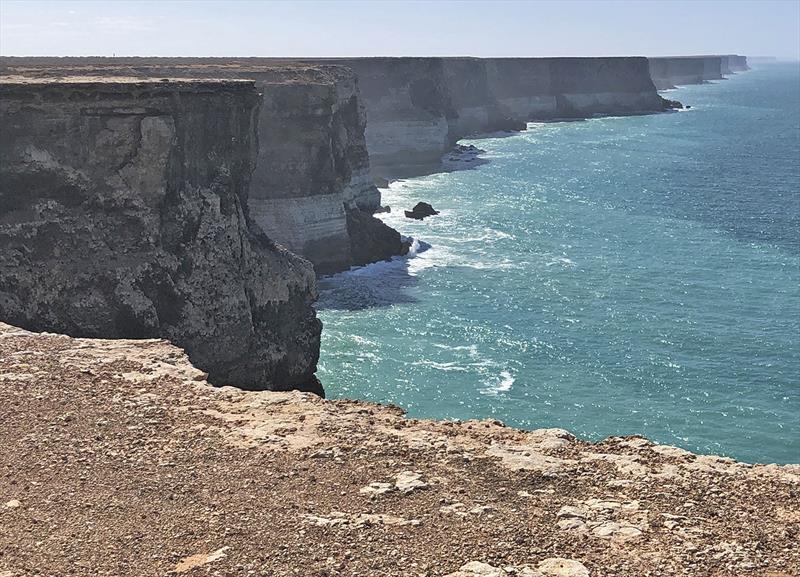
399	28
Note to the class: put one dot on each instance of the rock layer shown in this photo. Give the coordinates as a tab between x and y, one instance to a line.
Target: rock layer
123	462
124	213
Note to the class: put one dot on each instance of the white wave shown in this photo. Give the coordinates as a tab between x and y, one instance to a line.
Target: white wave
504	384
452	366
473	349
563	261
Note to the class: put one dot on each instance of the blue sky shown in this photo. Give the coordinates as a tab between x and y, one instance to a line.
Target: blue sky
397	28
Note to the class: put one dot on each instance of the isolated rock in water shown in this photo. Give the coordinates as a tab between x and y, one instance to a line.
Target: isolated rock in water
421	210
668	104
465	153
462	148
381	209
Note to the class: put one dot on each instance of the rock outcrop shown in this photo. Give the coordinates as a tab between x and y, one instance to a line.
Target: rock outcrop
122	461
312	165
421	210
124	214
671	71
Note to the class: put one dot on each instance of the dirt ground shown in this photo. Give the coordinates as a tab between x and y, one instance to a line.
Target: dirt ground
118	459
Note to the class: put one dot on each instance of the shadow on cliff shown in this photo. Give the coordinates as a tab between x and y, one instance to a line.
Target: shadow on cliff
377	285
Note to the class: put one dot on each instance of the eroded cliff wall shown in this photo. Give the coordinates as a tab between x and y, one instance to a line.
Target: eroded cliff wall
417	108
671	71
737	63
311	190
124	213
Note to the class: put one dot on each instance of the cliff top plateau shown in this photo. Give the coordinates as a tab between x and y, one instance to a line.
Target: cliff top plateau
120	459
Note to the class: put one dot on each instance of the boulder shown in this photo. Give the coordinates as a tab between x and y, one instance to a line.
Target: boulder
420	211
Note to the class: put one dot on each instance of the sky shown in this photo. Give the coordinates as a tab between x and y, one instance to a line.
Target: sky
399	28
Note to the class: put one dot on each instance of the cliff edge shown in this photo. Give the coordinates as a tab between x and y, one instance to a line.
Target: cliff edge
124	214
121	460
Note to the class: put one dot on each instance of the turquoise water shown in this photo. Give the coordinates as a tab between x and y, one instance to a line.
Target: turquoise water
612	276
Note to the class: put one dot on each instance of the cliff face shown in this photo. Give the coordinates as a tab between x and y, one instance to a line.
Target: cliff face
736	63
408	109
572	87
671	71
417	108
124	213
312	168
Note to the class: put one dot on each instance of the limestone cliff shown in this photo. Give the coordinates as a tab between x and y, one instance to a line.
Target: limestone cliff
124	213
312	168
123	462
418	108
736	63
670	71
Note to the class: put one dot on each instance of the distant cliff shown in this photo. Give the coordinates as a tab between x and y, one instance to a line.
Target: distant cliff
418	108
311	189
124	213
670	71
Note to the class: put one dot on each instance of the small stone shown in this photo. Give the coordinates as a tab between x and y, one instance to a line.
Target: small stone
12	504
478	569
560	567
408	481
189	563
570	511
376	489
571	524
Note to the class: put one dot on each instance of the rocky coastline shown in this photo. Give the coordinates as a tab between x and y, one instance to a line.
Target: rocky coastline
184	198
146	204
124	461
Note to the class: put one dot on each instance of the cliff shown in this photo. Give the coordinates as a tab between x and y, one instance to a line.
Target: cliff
671	71
312	166
328	126
736	63
124	213
418	108
122	461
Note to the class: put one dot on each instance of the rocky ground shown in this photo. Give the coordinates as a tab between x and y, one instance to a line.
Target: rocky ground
119	459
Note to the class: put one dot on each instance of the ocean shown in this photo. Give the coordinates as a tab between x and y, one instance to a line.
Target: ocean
614	276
